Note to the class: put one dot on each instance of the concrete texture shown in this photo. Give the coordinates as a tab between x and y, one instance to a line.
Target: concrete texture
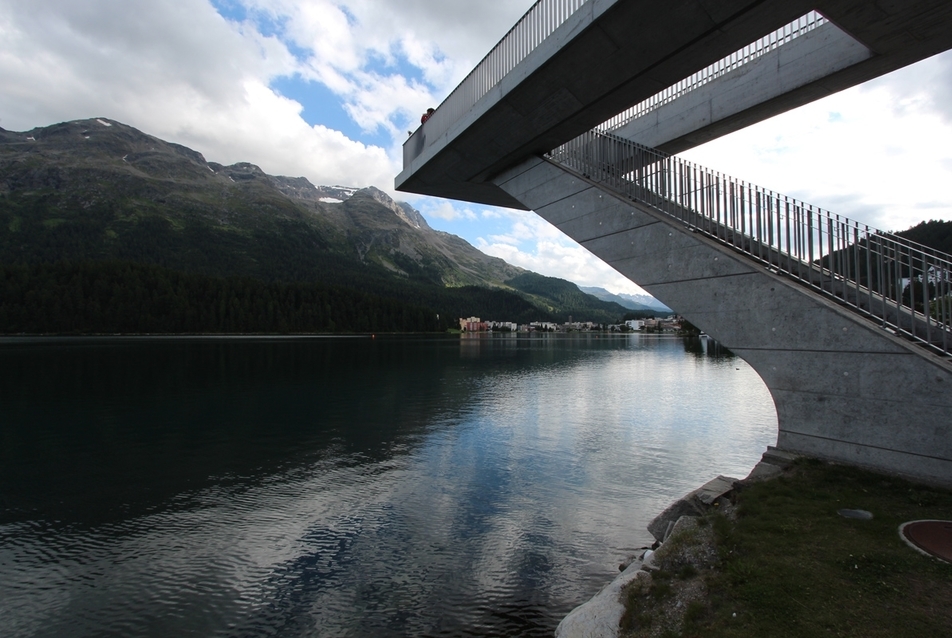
844	388
611	55
743	96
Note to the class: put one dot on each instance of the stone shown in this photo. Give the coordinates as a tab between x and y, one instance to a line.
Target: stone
861	515
696	503
600	616
777	457
763	471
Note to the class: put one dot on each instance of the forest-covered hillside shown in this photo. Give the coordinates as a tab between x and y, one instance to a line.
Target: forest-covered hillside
93	206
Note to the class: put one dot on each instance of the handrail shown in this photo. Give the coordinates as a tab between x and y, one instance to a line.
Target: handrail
906	287
783	35
538	23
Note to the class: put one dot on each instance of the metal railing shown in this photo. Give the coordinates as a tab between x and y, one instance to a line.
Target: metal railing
536	25
752	51
904	286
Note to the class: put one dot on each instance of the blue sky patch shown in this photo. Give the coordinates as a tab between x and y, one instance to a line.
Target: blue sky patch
396	65
231	10
266	24
322	106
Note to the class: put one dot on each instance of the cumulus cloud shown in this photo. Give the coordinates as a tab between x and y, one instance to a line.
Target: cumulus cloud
69	56
388	61
445	210
178	70
509	240
184	71
524	239
533	243
202	73
564	259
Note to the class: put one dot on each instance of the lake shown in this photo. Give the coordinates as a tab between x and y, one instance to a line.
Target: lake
348	486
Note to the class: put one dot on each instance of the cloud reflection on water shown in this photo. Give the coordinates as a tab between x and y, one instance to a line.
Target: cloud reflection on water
429	487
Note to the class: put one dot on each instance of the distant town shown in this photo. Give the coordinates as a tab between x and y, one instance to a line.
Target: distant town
671	323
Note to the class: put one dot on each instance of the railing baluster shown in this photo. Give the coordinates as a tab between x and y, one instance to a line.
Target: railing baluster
788	252
881	262
856	270
869	270
826	248
926	298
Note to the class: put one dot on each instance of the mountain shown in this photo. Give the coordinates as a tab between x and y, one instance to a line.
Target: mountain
640	303
933	233
133	196
97	191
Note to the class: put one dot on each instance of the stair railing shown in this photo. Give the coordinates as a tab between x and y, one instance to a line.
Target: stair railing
904	286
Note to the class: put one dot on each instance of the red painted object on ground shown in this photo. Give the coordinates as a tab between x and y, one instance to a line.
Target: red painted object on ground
932	537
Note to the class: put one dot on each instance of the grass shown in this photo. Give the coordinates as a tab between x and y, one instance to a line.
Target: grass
789	566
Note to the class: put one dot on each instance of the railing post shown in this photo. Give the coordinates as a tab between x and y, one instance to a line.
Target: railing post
790	248
881	284
856	270
811	253
829	248
912	290
926	298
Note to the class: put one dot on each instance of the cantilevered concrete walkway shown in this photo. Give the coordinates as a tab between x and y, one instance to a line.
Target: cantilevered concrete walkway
847	326
570	65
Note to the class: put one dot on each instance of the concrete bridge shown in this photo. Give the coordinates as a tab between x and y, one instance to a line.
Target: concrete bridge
573	115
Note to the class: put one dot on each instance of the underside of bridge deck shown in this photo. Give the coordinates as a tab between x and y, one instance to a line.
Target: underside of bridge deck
612	54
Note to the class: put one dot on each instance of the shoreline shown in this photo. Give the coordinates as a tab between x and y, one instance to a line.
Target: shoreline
601	615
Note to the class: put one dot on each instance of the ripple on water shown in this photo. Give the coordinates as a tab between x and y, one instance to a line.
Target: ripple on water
471	493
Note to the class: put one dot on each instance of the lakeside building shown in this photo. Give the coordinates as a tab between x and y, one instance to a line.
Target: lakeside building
581	326
472	324
671	323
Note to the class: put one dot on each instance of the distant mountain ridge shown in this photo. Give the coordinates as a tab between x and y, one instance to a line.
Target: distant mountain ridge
98	190
632	302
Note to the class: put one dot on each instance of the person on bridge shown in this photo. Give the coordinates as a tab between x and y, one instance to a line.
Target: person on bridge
426	116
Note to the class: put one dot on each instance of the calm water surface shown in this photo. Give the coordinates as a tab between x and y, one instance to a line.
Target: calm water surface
393	486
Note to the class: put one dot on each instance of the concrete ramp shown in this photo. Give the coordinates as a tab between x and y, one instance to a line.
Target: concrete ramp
844	388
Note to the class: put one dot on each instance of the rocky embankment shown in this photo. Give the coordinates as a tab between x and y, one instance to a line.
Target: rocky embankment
681	544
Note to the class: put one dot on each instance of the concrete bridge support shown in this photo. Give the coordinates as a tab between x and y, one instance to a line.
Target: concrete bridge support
844	388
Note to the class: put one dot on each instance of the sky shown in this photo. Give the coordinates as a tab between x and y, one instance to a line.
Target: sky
327	89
